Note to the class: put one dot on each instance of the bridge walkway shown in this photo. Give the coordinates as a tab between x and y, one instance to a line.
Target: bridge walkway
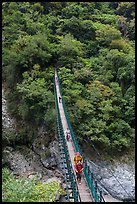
83	188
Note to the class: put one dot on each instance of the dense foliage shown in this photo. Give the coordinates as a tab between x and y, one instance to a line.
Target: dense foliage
28	190
93	44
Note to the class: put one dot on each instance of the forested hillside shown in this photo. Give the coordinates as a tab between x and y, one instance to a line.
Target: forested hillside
93	46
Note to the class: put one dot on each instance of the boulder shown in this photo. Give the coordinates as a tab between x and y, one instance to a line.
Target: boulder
117	179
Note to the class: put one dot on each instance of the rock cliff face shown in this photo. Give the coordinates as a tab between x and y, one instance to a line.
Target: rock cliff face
23	161
40	159
117	179
7	122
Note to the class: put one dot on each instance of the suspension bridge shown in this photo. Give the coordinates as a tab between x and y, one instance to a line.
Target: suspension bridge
88	191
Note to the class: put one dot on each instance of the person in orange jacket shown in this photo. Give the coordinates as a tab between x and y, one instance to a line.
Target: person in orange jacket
77	158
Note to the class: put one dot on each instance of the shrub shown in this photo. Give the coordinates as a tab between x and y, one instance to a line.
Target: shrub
28	190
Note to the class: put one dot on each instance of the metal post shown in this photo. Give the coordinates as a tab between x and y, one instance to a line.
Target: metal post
76	196
96	195
100	196
95	186
92	176
88	170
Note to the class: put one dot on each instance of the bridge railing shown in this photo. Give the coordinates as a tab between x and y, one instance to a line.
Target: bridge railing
66	162
92	183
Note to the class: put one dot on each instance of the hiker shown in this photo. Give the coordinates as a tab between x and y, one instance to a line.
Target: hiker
59	99
78	169
77	158
67	134
56	80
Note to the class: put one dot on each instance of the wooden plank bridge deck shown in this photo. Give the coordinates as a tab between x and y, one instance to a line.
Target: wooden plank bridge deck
83	188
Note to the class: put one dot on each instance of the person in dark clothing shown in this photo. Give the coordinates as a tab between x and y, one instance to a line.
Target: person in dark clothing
67	134
59	99
56	80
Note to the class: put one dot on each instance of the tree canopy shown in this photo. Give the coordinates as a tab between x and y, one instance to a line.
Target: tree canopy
93	44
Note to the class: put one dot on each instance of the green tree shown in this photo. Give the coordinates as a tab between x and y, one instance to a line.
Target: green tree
121	45
69	51
126	9
106	33
26	52
36	100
